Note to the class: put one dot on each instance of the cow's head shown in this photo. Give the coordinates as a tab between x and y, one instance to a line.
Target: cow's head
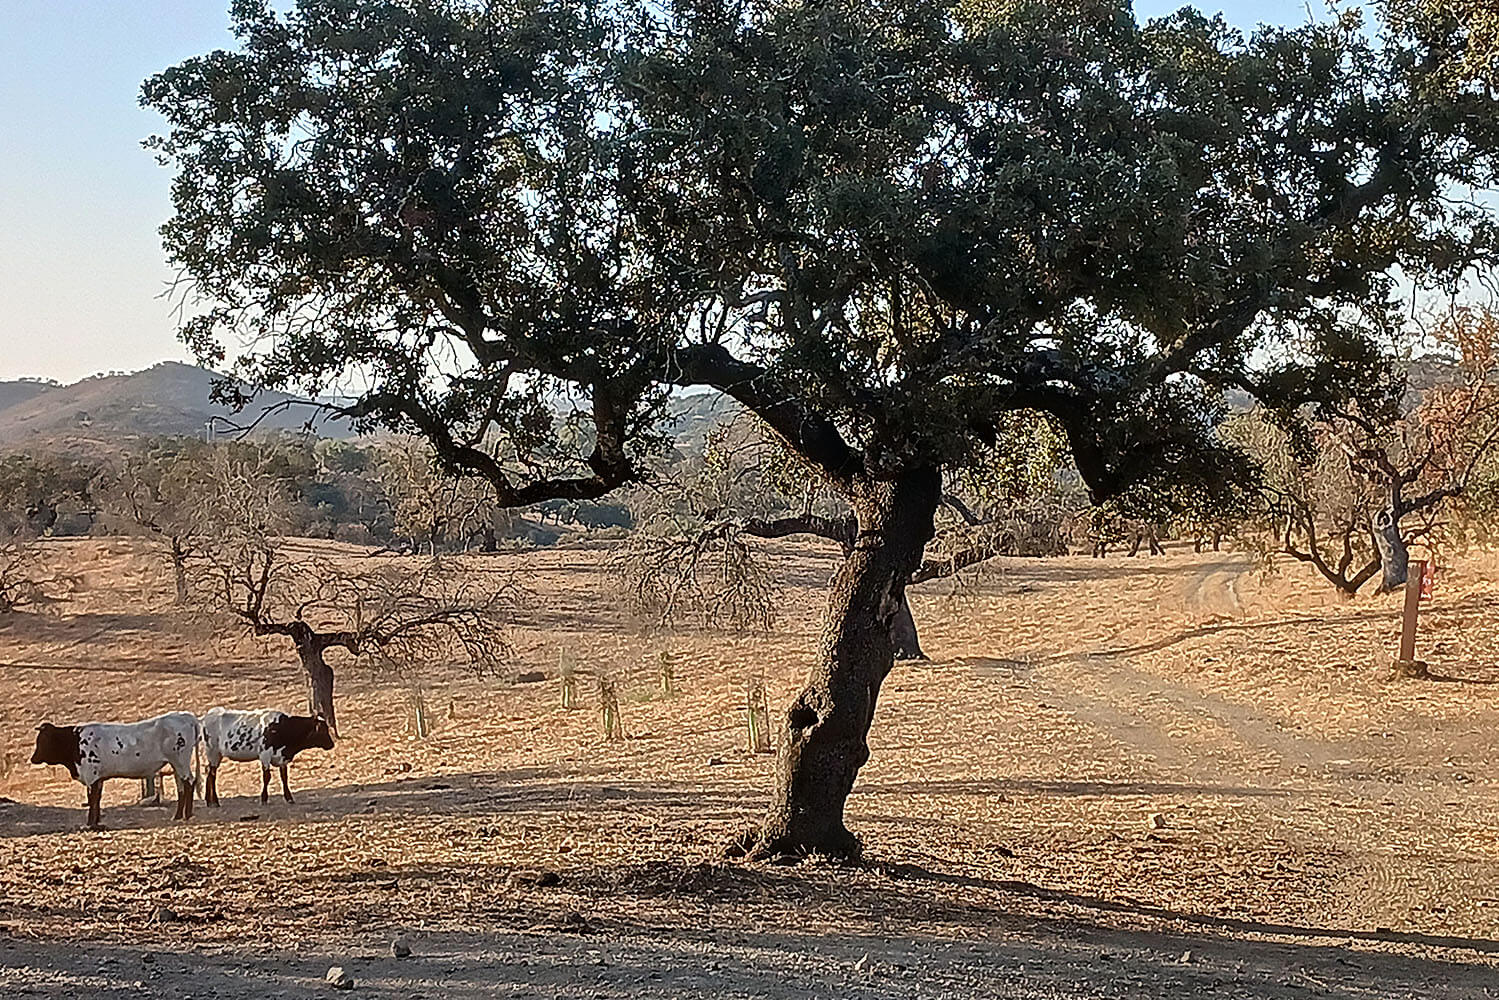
292	734
320	736
57	745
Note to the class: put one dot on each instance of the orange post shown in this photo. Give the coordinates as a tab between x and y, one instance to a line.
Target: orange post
1413	578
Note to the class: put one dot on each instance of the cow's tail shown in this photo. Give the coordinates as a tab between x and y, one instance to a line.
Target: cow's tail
200	786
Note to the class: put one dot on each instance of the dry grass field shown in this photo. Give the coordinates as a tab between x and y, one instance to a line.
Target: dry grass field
1119	777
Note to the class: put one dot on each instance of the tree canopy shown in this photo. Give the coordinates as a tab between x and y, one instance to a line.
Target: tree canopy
874	227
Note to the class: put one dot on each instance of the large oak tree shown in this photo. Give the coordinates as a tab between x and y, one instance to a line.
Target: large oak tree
879	225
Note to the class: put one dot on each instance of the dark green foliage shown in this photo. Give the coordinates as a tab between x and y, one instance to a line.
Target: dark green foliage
878	231
604	515
43	494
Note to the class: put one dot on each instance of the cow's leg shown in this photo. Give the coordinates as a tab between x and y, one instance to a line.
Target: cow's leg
211	786
95	796
184	793
265	784
285	788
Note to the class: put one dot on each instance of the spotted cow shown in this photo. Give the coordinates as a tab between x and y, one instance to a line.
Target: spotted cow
264	734
95	751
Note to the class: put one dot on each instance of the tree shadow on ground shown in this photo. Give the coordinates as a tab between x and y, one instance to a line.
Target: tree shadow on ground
1089	789
17	819
777	934
1233	925
536	792
897	898
1443	678
220	669
525	791
20	819
600	616
1007	571
1215	628
74	627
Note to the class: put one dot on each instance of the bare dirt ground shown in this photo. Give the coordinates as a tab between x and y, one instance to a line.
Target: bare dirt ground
1115	778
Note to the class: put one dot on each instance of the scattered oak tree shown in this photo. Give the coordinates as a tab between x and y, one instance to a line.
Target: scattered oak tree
1352	494
274	586
878	226
38	489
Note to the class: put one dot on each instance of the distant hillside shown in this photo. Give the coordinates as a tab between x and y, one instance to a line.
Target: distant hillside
171	399
21	390
106	410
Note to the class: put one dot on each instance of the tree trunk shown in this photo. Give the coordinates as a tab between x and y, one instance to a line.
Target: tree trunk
179	571
903	633
823	735
1394	558
319	682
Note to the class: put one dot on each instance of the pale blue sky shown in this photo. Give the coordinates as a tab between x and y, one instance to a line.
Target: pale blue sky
81	267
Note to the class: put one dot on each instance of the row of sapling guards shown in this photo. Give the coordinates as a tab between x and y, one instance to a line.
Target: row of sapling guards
94	752
246	575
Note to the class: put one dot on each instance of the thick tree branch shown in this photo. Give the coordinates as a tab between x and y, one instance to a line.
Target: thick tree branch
610	464
844	531
956	562
809	434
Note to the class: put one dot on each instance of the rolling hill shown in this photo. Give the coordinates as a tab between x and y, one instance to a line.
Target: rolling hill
22	390
107	410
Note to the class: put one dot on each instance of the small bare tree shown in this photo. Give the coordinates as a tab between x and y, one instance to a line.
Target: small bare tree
434	509
163	495
22	578
404	615
712	577
1353	497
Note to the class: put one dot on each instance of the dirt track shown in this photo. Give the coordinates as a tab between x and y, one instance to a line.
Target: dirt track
1107	764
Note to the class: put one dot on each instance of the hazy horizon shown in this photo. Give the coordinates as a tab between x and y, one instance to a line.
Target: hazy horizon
81	200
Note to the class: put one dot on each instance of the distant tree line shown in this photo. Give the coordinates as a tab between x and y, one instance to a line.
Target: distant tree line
1345	492
387	494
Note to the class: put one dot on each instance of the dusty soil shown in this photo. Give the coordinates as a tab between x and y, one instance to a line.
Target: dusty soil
1120	777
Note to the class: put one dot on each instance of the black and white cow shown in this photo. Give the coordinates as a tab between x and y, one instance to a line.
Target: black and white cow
94	751
264	734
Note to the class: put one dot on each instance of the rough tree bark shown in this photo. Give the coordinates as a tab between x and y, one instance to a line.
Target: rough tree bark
823	739
1394	557
179	569
845	531
903	632
311	646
